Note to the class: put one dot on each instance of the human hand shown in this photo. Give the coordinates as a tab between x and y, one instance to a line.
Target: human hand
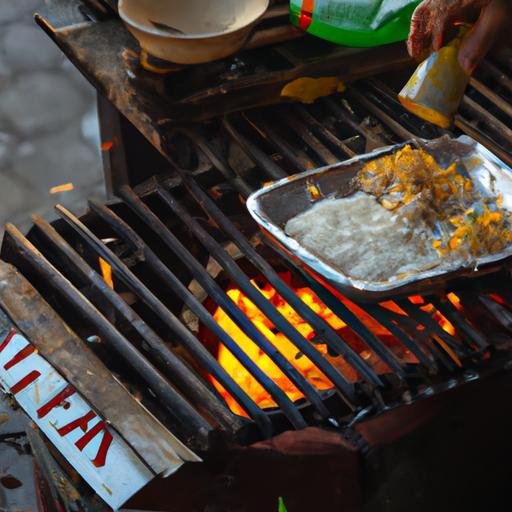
433	19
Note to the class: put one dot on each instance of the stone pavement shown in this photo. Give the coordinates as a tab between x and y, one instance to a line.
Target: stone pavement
48	125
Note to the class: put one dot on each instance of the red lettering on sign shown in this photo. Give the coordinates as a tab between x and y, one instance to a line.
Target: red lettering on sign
22	354
55	401
23	383
83	423
9	337
106	441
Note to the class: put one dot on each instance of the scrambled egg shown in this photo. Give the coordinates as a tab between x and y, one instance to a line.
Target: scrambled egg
411	183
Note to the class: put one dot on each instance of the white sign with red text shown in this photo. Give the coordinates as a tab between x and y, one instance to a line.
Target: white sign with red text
97	452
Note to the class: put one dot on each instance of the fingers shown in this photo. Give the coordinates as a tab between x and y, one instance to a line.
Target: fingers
420	35
430	21
482	35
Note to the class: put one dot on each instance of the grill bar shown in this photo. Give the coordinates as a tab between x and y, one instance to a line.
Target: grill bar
447	309
359	128
356	325
469	129
221	256
425	319
274	172
182	333
303	130
321	327
171	365
174	403
492	96
220	163
128	235
476	111
413	328
220	297
375	107
325	133
381	317
255	296
502	314
347	316
298	158
497	74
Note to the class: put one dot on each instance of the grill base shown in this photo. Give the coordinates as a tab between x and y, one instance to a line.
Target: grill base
453	459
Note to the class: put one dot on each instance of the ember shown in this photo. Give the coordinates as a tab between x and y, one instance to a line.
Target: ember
241	375
283	344
66	187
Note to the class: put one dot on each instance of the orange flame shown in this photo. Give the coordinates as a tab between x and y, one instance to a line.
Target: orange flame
290	351
283	344
106	272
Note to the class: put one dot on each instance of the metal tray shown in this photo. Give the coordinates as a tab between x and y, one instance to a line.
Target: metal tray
273	206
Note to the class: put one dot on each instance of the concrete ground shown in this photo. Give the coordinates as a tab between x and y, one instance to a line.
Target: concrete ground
48	125
48	137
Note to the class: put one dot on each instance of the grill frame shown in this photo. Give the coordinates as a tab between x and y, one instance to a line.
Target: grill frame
372	394
274	142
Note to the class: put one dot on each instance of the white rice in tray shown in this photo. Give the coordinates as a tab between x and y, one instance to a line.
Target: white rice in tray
364	240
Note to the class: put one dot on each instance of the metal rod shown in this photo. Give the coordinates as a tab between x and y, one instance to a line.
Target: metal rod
268	309
425	319
381	317
320	326
342	311
273	171
173	323
490	122
497	74
477	134
324	132
502	104
358	127
411	326
171	399
448	310
502	315
231	309
287	406
303	131
220	163
298	158
186	380
391	123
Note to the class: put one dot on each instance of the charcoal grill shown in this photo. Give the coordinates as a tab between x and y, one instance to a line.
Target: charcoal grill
177	233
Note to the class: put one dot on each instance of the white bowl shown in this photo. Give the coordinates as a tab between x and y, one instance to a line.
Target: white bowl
191	31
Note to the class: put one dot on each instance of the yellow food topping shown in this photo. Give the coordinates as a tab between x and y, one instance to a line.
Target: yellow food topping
445	198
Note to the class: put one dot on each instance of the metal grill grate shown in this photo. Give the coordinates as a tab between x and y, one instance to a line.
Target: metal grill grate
162	236
65	257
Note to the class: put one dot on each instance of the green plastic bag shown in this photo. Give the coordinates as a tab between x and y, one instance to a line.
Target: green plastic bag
358	23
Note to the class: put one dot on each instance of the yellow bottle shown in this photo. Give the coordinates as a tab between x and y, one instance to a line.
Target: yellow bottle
437	87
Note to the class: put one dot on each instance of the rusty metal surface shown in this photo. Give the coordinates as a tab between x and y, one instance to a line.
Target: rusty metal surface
83	438
64	350
108	56
175	369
